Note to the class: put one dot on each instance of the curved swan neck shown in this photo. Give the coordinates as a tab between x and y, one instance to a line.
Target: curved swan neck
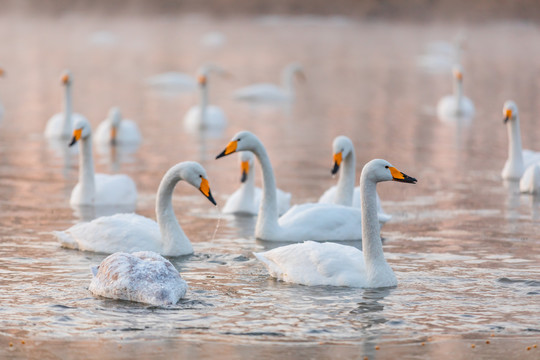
515	151
345	186
267	220
175	241
68	110
86	170
371	236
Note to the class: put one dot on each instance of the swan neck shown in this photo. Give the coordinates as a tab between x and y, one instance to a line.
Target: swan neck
371	236
515	151
203	104
173	237
458	92
86	171
68	111
267	221
345	186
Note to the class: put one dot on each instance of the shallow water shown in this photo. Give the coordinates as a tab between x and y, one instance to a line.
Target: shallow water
462	244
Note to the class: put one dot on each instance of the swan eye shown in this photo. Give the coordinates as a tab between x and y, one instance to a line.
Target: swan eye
200	176
386	167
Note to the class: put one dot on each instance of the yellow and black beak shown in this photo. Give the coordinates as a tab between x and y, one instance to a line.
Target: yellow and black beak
76	136
202	80
338	158
245	171
507	115
2	72
205	189
65	79
231	147
401	177
458	75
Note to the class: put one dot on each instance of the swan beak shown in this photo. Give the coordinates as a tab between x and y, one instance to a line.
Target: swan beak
205	189
76	136
2	72
338	157
507	115
245	171
401	177
65	79
202	80
458	75
113	135
231	147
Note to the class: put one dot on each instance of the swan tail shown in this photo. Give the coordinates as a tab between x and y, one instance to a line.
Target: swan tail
271	266
66	240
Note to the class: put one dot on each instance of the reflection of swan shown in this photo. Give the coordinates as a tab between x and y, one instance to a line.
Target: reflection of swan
312	263
172	81
270	92
98	189
345	193
318	222
132	232
143	276
518	159
59	125
456	105
115	130
247	199
204	117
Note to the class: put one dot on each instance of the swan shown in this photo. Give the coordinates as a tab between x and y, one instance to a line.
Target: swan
116	130
319	222
311	263
59	125
143	276
98	189
247	199
205	117
272	93
530	181
518	159
456	105
345	193
172	81
132	232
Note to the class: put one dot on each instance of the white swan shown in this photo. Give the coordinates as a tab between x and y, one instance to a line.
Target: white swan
345	193
143	276
172	81
272	93
319	222
518	159
59	126
247	199
116	130
132	232
205	117
456	105
98	189
312	263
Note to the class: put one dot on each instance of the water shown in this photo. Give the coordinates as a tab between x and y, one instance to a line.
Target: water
462	244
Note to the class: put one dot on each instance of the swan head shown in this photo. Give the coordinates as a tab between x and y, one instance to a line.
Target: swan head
510	111
457	71
296	69
381	170
207	69
246	164
66	78
193	173
242	141
115	116
342	147
82	130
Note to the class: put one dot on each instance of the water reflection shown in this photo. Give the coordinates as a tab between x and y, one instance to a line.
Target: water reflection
512	198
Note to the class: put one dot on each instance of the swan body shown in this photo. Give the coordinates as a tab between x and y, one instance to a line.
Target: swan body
311	263
98	189
132	232
115	130
173	81
345	193
266	92
518	159
247	199
59	125
144	277
205	117
457	105
319	222
530	181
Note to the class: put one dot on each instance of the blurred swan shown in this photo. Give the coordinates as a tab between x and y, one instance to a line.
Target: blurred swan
172	81
132	232
143	276
59	126
272	93
518	159
115	130
98	189
311	263
205	117
345	193
314	221
247	199
456	105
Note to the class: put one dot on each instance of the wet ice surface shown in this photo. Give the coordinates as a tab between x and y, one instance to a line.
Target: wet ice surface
463	245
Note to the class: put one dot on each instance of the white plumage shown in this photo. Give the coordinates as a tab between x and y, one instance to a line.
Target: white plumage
116	130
